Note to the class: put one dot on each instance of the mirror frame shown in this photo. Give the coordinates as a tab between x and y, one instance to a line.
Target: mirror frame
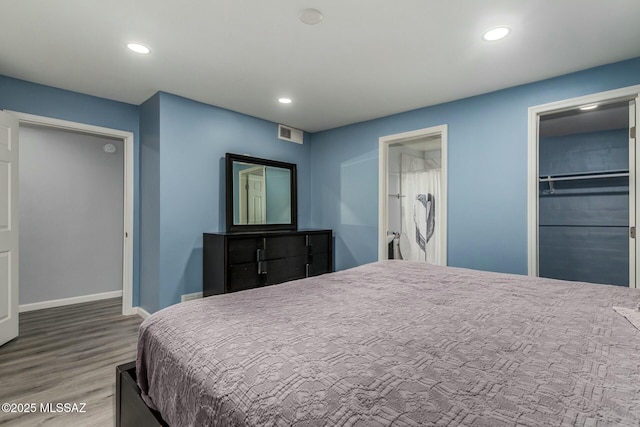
231	227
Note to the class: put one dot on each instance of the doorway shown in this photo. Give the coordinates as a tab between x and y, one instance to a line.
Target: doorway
252	203
104	141
582	189
413	196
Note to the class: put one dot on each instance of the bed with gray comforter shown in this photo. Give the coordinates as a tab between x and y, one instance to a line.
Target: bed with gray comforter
397	343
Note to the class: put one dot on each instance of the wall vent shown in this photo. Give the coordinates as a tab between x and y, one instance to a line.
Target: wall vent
189	297
290	134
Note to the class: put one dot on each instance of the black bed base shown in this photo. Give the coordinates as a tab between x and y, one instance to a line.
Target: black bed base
131	411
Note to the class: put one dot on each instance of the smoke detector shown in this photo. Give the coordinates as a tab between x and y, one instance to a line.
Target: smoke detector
109	148
311	16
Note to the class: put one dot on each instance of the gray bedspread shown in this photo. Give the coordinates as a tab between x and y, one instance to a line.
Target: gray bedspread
397	343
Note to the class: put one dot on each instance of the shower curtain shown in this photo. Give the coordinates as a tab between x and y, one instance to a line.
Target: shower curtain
418	181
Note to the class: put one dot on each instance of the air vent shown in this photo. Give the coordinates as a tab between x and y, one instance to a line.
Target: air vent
290	134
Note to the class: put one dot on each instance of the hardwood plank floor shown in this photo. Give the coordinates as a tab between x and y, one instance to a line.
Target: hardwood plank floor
67	355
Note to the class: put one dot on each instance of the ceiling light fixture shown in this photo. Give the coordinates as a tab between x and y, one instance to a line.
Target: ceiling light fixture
311	16
285	101
496	33
589	107
138	48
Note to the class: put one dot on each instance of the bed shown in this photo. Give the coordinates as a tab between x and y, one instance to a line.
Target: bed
394	343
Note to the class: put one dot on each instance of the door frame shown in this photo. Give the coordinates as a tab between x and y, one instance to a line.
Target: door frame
626	93
128	190
383	183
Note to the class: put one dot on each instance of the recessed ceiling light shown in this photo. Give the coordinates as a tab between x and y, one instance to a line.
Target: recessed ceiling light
496	33
138	48
589	107
285	101
311	16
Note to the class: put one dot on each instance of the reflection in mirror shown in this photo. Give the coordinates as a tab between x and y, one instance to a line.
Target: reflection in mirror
261	194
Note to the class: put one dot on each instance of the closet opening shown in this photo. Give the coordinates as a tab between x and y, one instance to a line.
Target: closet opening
583	205
582	189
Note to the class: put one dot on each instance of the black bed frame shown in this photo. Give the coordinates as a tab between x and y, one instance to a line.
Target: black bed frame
131	411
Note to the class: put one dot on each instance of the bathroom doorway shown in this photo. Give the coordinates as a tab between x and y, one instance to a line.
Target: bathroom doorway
413	196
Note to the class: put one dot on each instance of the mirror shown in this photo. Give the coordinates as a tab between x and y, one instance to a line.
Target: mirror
261	194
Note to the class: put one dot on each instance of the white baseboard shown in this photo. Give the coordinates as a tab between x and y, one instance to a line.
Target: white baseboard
141	312
67	301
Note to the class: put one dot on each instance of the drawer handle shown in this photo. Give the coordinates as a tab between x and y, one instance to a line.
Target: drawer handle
262	267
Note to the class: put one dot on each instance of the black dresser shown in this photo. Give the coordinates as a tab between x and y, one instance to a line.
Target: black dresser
237	261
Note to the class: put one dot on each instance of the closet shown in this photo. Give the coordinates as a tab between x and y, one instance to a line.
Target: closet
584	207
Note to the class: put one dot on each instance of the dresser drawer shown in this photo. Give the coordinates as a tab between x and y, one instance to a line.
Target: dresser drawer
319	263
243	276
319	243
284	246
285	269
245	250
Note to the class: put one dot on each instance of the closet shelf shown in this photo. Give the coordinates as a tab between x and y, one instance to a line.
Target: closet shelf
584	225
586	175
620	173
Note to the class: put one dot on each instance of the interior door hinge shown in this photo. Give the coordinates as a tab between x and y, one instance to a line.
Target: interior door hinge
632	232
632	132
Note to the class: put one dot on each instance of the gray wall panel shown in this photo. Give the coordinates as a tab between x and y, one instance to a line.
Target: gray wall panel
585	152
597	207
583	232
588	254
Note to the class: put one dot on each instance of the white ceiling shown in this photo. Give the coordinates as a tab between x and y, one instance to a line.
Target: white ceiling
366	59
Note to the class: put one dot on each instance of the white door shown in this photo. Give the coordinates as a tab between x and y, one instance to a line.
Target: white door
253	201
256	198
8	227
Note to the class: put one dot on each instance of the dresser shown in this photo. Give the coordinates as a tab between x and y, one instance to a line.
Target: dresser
237	261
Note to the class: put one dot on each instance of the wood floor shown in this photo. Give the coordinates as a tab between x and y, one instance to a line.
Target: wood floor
67	355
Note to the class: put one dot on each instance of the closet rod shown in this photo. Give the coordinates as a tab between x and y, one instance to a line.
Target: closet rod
571	178
582	225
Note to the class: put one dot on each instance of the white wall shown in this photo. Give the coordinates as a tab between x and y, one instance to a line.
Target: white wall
71	215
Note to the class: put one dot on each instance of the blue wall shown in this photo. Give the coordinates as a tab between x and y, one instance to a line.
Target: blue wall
193	140
32	98
487	211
